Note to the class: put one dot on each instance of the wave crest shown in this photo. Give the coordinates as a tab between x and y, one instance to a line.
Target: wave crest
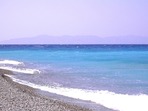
11	62
121	102
22	70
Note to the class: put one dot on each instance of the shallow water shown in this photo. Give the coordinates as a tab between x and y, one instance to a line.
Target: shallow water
115	76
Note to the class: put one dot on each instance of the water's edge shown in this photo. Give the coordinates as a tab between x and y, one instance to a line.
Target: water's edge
60	98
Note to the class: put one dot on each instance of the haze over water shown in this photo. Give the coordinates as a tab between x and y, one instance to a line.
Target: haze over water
115	76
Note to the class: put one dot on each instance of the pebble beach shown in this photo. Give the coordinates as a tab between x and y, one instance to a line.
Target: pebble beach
16	97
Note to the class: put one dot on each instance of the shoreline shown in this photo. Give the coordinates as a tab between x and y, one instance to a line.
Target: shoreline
16	97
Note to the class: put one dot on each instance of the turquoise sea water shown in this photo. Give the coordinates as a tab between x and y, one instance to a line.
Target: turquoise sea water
120	70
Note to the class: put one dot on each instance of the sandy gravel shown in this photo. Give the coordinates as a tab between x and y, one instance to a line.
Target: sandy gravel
15	97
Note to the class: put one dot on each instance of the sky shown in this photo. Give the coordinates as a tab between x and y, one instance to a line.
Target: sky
102	18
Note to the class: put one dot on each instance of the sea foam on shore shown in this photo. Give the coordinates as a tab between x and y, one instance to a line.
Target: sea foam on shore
14	66
16	97
121	102
115	76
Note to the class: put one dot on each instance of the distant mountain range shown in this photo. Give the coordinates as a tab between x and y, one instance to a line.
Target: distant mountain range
45	39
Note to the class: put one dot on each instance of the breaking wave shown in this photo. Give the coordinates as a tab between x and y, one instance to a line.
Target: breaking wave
121	102
17	66
23	70
11	62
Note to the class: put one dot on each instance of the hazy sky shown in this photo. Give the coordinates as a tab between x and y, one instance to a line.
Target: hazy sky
103	18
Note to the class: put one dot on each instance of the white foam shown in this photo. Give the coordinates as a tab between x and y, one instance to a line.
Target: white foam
23	70
111	100
11	62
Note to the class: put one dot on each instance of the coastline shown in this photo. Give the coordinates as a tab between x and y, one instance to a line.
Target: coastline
16	97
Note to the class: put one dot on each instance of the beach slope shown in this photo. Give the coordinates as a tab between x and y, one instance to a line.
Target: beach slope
16	97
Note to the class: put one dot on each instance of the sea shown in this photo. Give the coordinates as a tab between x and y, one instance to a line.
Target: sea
114	76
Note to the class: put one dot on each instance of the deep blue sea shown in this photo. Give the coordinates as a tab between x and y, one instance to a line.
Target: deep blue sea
115	76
